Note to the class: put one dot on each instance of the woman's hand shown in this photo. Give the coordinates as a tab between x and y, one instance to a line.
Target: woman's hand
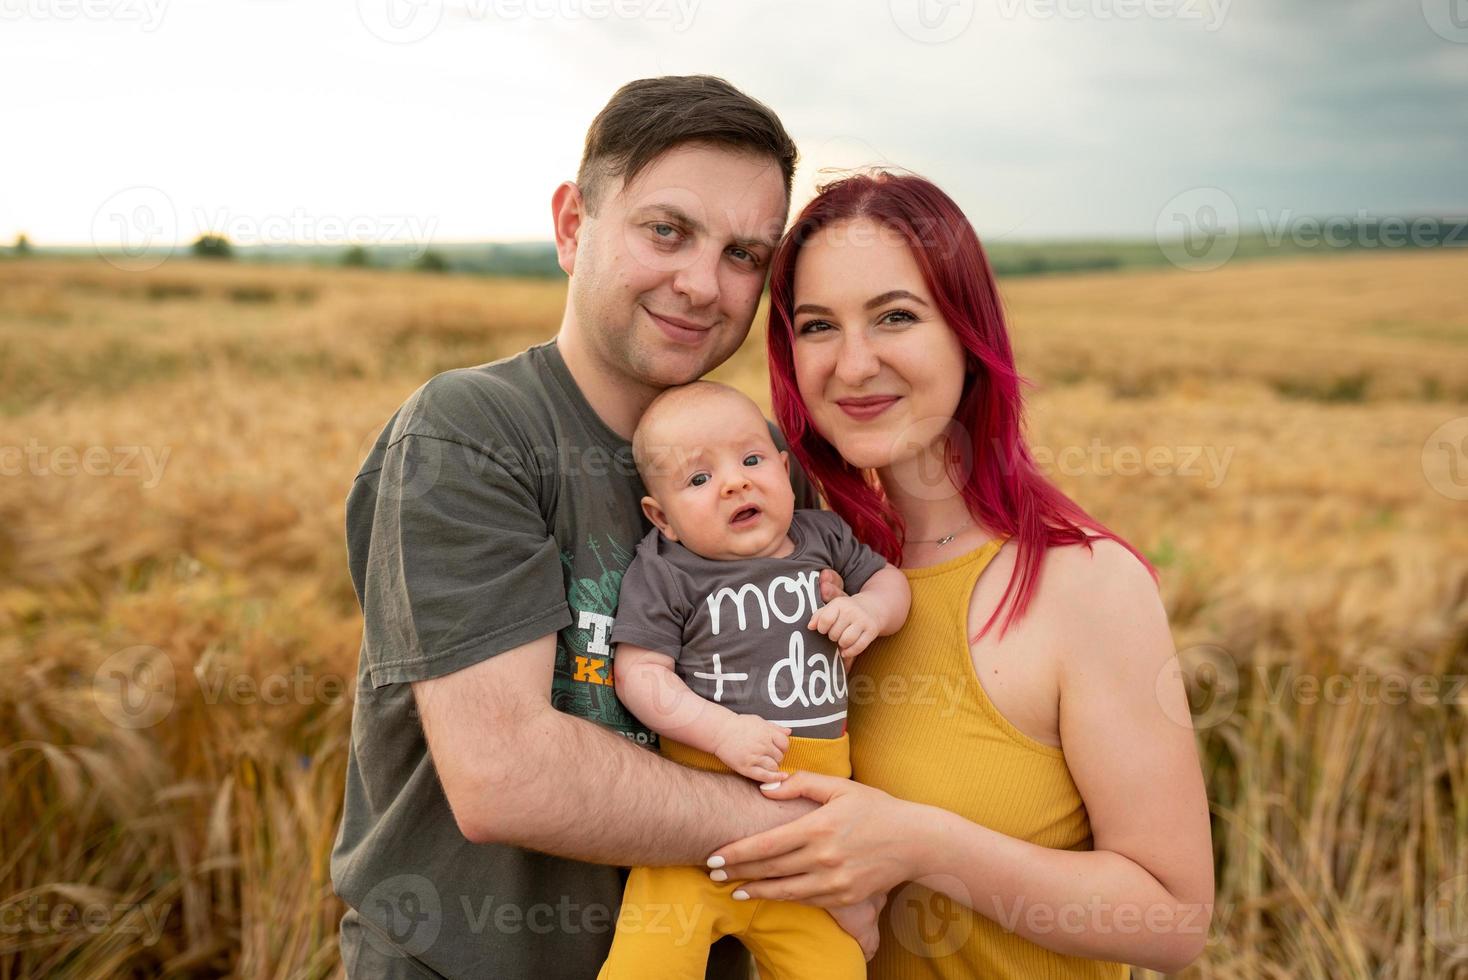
861	842
860	920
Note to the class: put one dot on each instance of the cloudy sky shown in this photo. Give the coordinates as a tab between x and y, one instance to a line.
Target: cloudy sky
398	120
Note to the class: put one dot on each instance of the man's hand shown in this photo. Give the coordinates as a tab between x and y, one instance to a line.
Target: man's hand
860	920
753	747
850	624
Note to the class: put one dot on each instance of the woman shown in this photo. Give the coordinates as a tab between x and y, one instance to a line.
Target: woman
1026	780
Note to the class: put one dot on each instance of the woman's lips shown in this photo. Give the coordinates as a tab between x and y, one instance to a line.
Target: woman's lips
867	408
678	331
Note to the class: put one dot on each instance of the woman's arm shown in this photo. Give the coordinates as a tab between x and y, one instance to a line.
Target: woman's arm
1144	895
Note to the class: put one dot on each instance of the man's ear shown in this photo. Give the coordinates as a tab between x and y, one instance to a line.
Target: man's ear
568	211
655	514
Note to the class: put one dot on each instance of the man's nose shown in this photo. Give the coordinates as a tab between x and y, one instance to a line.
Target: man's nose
699	279
735	483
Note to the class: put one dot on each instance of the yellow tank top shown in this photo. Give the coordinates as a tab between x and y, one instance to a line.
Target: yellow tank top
923	729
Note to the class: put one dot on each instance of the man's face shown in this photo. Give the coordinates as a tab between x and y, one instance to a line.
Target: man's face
668	272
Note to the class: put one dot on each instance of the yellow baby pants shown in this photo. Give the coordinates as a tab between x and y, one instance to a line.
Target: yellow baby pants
671	915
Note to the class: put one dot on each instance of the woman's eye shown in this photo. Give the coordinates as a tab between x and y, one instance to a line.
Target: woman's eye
902	317
752	456
813	326
699	479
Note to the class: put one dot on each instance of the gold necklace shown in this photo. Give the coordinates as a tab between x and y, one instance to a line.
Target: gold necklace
940	542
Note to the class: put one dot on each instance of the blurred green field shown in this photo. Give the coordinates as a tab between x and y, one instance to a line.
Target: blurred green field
1287	440
1206	242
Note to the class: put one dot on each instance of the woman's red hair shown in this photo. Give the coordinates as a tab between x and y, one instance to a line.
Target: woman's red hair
1001	485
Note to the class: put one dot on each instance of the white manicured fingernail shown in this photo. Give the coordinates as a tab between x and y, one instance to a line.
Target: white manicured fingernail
719	875
716	862
768	786
740	895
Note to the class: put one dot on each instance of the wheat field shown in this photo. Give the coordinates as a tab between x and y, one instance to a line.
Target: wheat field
1288	440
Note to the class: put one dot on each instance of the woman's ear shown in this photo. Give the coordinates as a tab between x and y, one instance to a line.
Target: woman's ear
655	514
785	458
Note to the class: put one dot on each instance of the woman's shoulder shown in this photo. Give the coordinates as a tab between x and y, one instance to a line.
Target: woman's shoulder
1099	598
1102	566
1079	587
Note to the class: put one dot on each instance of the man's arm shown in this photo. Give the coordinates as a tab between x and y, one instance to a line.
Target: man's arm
517	771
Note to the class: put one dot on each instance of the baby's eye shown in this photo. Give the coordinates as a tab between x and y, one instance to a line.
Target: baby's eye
752	456
698	479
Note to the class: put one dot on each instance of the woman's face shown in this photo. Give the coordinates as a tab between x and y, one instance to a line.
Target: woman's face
879	369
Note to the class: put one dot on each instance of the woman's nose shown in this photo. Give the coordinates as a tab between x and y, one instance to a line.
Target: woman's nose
856	361
736	483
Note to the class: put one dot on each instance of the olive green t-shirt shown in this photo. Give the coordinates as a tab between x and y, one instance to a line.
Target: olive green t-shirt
495	507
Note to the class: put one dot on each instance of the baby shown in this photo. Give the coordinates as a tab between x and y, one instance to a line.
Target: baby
723	648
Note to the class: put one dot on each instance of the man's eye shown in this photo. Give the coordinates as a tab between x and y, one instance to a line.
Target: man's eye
664	230
744	255
752	456
699	479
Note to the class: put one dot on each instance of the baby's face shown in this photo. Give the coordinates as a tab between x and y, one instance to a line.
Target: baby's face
718	484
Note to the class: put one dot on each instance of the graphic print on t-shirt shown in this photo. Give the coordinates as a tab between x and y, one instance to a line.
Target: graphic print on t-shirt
582	684
736	630
754	654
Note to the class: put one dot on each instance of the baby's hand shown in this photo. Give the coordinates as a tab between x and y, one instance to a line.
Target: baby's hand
849	624
754	747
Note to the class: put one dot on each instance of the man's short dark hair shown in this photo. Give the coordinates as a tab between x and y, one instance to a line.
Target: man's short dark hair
652	115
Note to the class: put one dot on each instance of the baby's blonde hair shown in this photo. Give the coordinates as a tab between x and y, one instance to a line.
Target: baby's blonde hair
643	446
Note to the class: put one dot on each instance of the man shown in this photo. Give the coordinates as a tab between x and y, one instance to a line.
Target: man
496	788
